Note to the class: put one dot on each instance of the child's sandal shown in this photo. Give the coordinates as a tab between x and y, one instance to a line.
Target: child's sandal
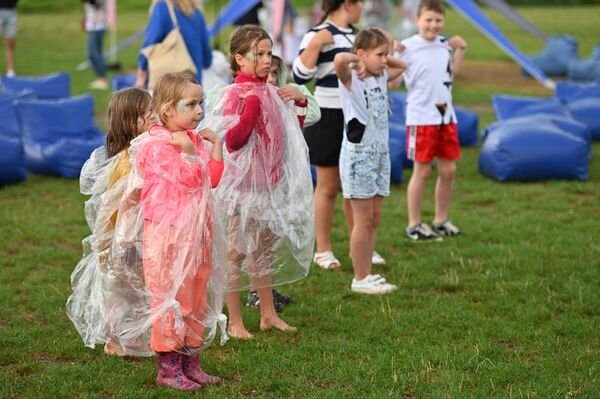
327	260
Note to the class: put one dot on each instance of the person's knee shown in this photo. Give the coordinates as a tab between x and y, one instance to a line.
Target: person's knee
329	191
422	172
10	44
448	171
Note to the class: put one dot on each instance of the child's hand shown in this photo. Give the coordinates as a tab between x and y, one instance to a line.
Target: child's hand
360	68
457	42
182	140
323	37
399	47
247	94
209	135
288	93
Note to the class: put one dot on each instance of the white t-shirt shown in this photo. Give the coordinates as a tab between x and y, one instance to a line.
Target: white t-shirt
354	101
95	18
428	79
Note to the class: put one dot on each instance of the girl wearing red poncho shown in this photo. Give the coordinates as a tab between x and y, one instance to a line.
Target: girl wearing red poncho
266	187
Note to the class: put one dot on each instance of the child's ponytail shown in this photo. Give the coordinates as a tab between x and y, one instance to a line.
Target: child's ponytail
124	111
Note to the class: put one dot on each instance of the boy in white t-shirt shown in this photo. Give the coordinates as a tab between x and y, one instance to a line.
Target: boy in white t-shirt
431	61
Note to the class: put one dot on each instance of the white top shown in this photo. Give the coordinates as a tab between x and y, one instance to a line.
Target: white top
95	18
326	82
428	79
354	101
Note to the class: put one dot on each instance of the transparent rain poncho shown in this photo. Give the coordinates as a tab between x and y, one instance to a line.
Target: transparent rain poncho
266	192
155	279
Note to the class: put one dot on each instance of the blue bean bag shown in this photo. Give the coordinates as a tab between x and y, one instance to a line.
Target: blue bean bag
584	70
587	111
398	107
507	107
124	81
567	91
398	133
12	162
555	57
531	152
468	124
313	174
12	167
58	136
397	153
54	86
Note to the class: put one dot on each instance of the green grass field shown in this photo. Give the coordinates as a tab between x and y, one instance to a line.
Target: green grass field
511	309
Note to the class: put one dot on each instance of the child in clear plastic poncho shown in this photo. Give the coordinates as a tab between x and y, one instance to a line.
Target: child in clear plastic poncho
98	292
183	250
266	187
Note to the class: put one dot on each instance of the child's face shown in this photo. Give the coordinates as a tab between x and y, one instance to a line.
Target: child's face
354	11
375	59
430	24
146	121
257	62
187	113
274	72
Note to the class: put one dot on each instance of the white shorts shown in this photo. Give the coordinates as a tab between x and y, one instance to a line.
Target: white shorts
8	23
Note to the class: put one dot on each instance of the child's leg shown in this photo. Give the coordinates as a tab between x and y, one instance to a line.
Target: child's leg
260	264
362	237
236	326
415	191
377	201
443	189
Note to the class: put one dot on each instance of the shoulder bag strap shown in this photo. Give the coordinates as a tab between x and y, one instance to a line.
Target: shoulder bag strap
172	12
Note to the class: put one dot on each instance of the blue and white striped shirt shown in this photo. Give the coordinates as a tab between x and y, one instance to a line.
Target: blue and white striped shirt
326	81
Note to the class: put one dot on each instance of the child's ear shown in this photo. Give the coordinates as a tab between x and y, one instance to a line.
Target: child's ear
360	52
239	59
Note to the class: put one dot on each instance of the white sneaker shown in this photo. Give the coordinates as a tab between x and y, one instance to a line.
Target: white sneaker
372	284
327	260
10	73
378	259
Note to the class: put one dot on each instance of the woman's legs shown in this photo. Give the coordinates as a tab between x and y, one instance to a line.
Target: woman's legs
328	187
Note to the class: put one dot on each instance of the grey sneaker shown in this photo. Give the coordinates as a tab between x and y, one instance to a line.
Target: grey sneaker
446	228
422	233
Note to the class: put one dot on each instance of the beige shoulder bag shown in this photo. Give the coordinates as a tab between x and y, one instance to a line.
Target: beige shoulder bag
170	55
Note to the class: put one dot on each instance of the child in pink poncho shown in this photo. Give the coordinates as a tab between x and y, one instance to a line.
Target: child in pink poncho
178	169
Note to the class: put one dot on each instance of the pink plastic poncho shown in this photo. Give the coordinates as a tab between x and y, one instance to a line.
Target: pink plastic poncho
266	189
167	257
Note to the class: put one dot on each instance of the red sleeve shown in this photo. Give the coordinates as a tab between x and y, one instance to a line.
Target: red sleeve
301	117
238	136
216	171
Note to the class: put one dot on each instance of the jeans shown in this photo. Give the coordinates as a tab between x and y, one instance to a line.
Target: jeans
94	46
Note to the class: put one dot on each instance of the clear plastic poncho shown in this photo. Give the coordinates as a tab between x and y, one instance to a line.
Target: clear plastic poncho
159	285
266	192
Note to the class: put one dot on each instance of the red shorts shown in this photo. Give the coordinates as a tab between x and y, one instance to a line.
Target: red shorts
423	143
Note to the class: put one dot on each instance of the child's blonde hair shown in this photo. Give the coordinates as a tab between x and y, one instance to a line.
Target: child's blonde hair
369	38
125	109
169	90
244	40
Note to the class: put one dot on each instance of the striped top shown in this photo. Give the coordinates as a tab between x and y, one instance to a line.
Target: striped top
326	81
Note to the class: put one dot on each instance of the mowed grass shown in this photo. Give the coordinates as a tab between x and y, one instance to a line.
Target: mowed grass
509	309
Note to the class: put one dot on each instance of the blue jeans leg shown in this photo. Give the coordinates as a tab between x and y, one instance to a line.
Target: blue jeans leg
95	39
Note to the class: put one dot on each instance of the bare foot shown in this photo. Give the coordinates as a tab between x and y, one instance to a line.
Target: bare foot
239	332
277	323
111	348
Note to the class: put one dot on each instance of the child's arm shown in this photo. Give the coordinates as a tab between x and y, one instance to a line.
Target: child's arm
305	65
460	47
344	64
395	67
215	164
288	93
238	136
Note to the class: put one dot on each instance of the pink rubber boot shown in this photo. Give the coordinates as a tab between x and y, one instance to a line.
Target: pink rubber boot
170	373
192	370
